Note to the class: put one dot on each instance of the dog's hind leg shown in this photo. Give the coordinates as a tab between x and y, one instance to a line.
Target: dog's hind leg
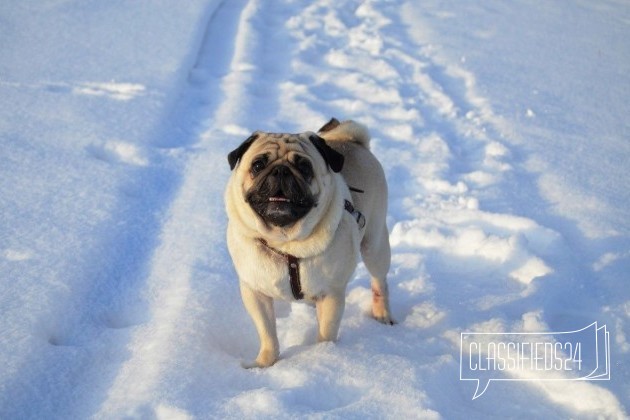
376	254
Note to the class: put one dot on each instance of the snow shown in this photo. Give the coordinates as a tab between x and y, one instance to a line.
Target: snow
503	131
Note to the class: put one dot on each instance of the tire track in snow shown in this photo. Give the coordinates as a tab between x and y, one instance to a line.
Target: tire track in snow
187	271
85	295
534	258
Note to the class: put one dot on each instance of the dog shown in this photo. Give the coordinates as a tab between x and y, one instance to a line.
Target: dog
301	209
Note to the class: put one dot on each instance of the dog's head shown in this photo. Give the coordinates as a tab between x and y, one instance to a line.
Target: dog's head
282	176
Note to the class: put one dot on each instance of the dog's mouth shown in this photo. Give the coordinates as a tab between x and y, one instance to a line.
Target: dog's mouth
281	202
282	211
302	200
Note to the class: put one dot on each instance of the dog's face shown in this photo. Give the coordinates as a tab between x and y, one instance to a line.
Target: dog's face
282	175
279	182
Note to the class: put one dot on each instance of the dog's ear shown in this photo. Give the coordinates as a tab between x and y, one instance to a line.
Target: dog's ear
236	154
330	125
333	158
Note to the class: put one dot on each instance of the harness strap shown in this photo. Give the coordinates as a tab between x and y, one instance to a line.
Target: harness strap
293	262
294	277
293	265
356	214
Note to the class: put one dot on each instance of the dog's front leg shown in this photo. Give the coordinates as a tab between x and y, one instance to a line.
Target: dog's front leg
329	311
260	308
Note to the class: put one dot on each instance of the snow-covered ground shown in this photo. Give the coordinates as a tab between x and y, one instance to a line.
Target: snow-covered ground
503	129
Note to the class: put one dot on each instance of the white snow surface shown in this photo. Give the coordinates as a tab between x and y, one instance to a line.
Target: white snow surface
503	129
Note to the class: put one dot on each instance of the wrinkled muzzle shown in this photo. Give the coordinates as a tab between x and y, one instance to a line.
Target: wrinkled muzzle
280	198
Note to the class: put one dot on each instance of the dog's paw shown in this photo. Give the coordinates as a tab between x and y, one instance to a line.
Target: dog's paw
250	365
264	359
384	319
380	307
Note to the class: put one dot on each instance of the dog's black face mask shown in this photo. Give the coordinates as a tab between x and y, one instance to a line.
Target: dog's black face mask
281	194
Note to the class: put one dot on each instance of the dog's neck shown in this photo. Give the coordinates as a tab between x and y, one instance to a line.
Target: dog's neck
315	239
293	262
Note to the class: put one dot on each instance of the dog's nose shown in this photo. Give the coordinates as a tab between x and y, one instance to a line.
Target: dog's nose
281	171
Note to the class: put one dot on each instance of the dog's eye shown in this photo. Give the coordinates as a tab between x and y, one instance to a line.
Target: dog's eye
304	166
258	165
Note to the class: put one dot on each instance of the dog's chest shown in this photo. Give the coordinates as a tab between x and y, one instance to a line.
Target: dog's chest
268	272
291	278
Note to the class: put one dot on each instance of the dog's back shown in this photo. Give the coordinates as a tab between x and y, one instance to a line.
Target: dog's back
365	176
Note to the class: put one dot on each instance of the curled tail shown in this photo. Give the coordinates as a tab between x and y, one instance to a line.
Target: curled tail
347	130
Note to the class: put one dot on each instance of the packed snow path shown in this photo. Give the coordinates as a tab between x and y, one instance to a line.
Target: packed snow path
140	315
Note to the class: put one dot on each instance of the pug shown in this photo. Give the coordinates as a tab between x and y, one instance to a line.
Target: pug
301	210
